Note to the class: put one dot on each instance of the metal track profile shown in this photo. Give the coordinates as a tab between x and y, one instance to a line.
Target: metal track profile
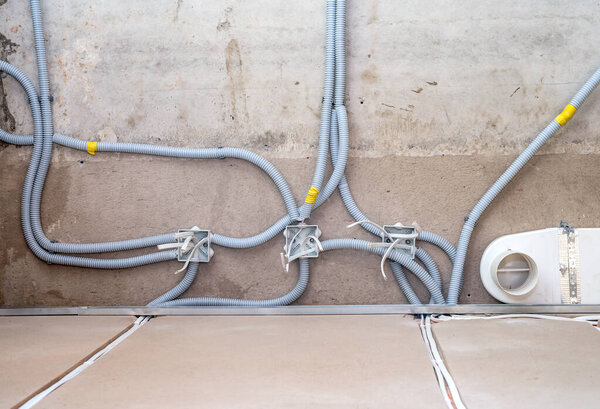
314	310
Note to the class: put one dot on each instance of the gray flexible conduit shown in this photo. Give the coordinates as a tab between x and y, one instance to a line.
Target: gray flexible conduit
330	66
114	246
286	299
16	139
398	256
339	128
334	127
329	124
340	53
41	159
180	288
26	201
339	117
457	278
218	239
187	153
405	286
336	149
210	153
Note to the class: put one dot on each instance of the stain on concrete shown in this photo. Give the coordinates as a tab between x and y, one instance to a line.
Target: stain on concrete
315	112
432	83
12	245
223	25
370	75
56	198
234	66
269	140
409	108
373	17
7	120
177	9
417	91
229	288
515	91
55	294
107	134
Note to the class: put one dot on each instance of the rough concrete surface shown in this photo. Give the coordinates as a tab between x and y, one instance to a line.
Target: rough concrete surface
261	362
441	97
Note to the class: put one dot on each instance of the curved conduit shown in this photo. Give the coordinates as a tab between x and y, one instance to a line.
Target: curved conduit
333	140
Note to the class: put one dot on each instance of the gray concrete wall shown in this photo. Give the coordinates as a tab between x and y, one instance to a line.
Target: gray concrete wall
441	97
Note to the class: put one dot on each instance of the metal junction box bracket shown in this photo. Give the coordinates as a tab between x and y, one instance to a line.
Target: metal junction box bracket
200	245
301	241
406	237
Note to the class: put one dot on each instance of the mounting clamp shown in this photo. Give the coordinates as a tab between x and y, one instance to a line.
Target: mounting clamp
403	237
301	241
194	245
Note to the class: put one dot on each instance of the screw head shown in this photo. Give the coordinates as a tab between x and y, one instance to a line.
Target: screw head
388	240
407	241
205	245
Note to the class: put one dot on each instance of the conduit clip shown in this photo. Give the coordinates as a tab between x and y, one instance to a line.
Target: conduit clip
301	241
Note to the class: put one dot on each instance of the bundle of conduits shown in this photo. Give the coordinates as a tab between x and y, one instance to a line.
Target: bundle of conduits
333	140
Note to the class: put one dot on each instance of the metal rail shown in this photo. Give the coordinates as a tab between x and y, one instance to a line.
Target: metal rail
312	310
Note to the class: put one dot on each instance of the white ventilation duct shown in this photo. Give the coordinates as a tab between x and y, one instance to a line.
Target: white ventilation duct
550	266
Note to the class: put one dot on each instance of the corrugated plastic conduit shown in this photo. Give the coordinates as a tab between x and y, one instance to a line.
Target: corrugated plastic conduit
333	138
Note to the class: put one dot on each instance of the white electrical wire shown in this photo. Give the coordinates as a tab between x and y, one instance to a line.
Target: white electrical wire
37	398
392	241
438	373
191	254
445	380
303	251
386	255
184	245
593	320
383	232
584	318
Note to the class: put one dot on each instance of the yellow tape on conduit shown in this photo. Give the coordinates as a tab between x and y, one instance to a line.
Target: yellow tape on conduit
312	195
92	147
565	115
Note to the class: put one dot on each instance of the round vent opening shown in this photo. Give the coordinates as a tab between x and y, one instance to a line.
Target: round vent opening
516	273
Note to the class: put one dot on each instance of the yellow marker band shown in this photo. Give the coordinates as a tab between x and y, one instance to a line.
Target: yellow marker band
565	115
92	147
312	195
